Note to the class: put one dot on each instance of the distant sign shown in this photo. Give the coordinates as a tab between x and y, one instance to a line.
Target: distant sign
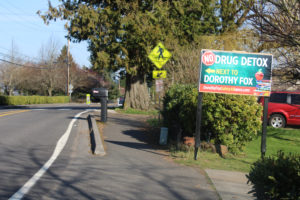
71	87
159	85
160	55
235	73
156	74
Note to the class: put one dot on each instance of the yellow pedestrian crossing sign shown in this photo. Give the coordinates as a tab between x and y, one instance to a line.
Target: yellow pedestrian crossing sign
159	74
159	55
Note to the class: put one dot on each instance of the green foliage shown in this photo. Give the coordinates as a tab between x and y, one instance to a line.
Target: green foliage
231	120
179	106
113	92
276	177
286	140
23	100
136	111
154	123
3	100
122	33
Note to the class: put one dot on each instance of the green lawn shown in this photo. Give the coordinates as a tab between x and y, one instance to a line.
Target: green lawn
287	140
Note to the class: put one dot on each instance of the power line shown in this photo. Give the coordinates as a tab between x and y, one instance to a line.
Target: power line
29	24
16	7
21	65
23	55
40	61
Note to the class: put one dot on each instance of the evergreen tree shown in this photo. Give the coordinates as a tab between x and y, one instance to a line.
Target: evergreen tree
122	33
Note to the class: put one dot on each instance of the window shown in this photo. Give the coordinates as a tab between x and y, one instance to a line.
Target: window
295	99
278	97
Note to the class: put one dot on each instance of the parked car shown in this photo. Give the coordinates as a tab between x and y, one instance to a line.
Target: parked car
283	109
121	101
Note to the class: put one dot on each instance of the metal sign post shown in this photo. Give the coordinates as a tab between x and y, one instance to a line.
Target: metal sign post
159	57
198	125
159	84
264	128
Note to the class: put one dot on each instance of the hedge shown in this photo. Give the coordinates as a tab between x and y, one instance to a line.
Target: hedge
276	177
231	120
23	100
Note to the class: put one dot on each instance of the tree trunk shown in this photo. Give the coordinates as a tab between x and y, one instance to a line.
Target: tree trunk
11	92
50	92
136	95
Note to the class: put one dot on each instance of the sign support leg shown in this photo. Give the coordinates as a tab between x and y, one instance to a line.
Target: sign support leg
198	124
264	128
159	107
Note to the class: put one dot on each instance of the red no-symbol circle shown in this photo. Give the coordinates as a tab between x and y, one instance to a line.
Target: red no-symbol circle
208	58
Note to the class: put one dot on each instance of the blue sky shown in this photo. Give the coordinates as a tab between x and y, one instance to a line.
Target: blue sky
20	24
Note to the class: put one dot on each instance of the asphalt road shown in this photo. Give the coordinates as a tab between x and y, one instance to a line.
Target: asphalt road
28	138
130	170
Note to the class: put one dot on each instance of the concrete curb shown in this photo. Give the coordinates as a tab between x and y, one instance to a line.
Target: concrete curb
96	141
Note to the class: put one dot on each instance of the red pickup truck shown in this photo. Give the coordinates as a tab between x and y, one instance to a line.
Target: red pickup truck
283	108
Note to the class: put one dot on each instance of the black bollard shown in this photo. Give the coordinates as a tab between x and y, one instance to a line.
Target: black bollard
103	101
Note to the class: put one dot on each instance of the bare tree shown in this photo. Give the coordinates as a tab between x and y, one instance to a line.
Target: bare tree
184	66
30	81
278	22
10	73
51	78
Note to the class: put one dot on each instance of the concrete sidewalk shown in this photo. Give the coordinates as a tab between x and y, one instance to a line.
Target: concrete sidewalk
133	169
230	185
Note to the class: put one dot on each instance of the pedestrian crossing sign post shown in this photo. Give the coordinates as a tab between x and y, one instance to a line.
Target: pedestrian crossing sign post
158	74
159	55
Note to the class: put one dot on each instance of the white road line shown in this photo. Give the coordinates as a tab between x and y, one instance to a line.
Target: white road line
59	147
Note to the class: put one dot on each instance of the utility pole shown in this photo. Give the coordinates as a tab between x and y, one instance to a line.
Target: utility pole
68	64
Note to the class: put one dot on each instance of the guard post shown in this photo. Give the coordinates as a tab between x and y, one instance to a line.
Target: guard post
102	93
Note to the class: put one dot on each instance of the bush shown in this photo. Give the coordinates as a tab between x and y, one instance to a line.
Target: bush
179	107
276	177
231	120
113	92
23	100
3	100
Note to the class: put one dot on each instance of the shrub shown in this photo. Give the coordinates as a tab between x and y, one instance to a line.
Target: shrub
231	120
179	106
276	177
3	100
23	100
113	92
